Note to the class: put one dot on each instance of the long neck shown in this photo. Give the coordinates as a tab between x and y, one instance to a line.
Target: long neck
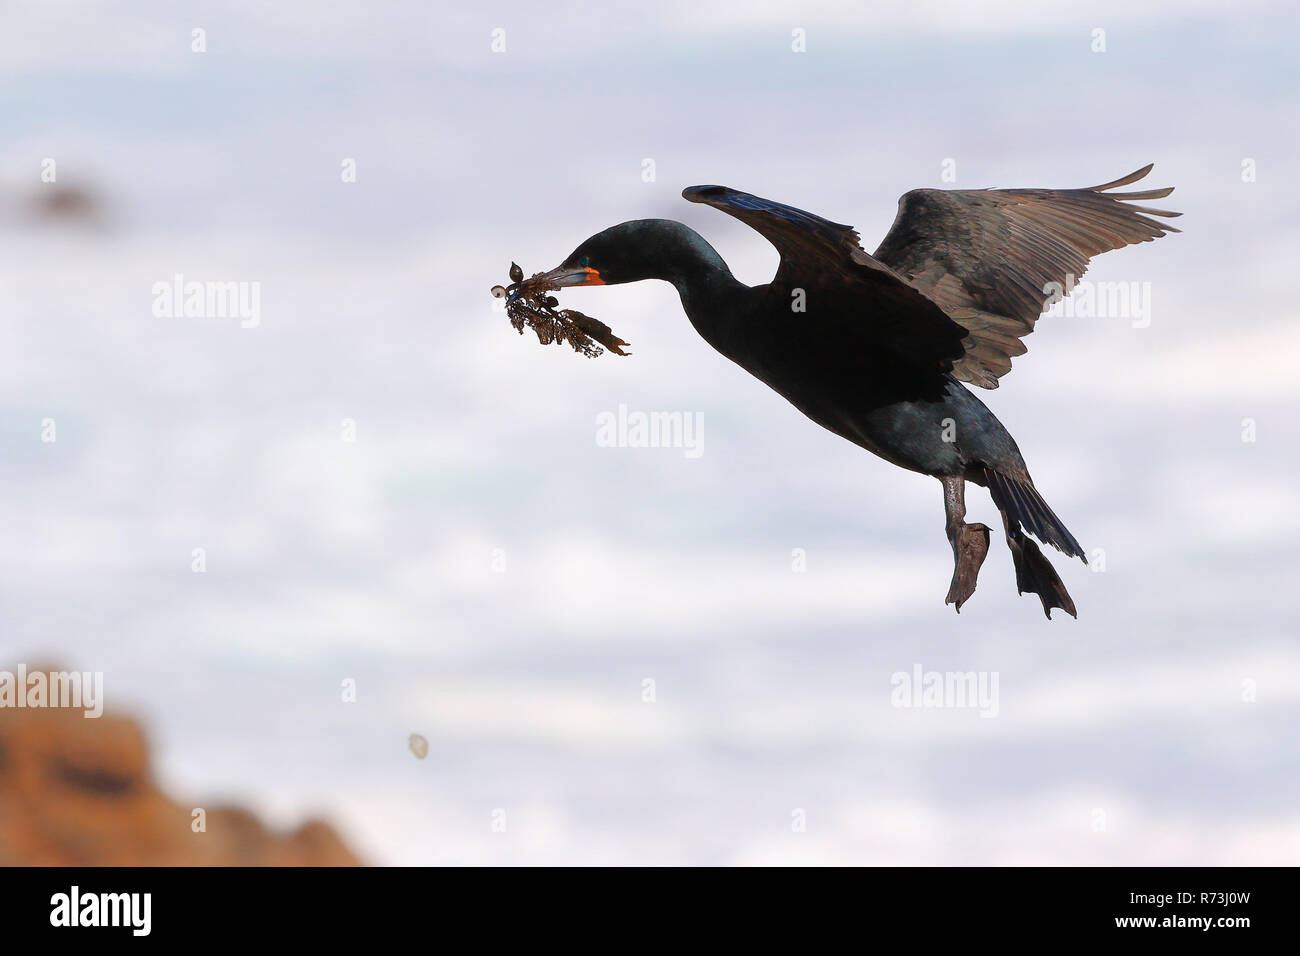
710	294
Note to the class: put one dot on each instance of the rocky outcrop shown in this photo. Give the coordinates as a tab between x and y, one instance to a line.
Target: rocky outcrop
80	792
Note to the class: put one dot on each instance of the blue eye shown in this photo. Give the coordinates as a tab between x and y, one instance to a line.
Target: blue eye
584	262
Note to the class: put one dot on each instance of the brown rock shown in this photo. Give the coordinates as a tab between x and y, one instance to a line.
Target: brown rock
80	792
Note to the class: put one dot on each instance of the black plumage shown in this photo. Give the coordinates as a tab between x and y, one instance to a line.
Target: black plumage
875	347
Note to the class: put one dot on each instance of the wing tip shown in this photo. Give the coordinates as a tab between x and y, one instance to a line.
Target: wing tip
704	193
1144	194
1132	177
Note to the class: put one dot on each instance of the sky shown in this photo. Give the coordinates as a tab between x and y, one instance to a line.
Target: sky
624	655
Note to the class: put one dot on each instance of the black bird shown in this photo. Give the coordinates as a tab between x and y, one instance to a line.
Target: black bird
875	348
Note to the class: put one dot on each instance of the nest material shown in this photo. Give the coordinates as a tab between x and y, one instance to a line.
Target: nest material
528	305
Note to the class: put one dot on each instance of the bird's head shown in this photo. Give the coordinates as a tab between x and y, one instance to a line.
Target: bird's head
628	252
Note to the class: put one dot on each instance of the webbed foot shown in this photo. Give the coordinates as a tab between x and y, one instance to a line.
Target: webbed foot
970	545
1034	574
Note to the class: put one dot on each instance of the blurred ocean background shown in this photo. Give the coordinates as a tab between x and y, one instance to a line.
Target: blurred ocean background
494	580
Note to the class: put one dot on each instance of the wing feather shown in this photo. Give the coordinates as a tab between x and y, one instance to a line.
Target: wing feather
825	258
991	257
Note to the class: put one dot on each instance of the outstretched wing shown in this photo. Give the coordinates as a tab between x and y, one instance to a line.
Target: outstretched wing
824	257
995	259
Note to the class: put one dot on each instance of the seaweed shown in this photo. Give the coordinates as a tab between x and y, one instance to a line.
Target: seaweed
529	305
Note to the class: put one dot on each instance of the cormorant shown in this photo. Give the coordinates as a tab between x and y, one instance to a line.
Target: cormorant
876	347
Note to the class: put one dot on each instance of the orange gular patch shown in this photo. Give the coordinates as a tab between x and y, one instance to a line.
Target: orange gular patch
593	277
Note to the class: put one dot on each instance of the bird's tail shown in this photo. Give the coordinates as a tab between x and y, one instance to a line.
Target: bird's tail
1020	501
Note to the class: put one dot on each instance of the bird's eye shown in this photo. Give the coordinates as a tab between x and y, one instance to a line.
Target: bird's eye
584	262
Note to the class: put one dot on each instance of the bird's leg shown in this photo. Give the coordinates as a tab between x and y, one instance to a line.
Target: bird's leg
970	542
1034	573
